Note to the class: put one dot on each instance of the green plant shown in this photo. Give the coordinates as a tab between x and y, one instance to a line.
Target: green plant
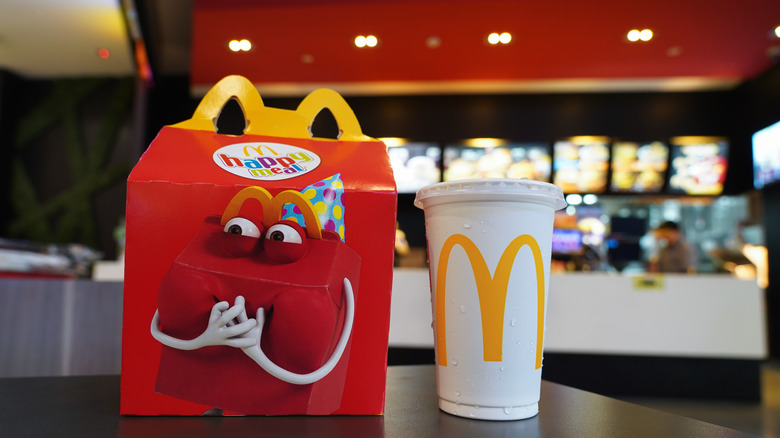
68	216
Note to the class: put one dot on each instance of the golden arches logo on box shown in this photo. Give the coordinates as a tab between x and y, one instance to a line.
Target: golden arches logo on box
491	292
272	208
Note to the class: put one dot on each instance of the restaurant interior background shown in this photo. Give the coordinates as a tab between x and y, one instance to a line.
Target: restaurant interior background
72	124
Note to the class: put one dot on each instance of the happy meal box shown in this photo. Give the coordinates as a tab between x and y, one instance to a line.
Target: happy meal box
258	267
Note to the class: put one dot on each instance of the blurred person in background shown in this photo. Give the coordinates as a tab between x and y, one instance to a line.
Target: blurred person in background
675	254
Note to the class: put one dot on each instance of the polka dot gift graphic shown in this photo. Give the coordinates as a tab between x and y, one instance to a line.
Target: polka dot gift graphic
327	197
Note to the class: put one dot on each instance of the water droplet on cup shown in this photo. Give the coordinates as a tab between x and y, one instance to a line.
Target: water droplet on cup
467	225
513	322
454	362
462	309
457	393
508	410
502	368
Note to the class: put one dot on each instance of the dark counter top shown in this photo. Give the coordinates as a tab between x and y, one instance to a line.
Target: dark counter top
87	406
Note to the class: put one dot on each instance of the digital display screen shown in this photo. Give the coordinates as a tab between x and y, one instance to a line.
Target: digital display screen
639	167
766	156
415	165
513	160
580	165
566	241
698	166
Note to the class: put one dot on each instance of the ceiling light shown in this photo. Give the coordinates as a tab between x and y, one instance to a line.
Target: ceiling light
393	142
433	41
366	41
635	35
503	38
686	140
240	46
484	142
777	31
588	139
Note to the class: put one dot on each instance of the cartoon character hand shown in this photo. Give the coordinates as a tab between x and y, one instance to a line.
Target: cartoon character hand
221	328
255	351
254	335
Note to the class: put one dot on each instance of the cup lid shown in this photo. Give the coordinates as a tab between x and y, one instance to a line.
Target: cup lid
493	189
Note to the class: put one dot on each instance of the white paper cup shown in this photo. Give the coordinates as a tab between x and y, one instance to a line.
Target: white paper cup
489	245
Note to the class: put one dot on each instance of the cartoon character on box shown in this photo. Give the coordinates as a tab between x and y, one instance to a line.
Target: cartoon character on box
255	314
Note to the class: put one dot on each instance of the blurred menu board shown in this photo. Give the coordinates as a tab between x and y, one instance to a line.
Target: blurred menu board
514	160
698	165
415	165
766	155
580	164
639	167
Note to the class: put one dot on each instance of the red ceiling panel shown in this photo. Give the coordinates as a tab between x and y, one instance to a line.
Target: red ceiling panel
310	43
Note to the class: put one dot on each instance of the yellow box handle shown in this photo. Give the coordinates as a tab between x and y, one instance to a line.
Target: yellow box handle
263	120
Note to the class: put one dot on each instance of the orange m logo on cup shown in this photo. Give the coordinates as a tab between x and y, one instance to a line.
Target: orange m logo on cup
491	292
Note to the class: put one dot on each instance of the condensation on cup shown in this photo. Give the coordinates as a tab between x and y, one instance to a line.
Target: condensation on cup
489	246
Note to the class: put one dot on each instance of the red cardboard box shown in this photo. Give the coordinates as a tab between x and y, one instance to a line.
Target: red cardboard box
258	267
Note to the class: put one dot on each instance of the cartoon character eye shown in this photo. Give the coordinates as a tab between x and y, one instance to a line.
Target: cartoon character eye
242	227
283	233
285	242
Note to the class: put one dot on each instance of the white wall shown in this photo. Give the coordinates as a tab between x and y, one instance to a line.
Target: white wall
715	316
